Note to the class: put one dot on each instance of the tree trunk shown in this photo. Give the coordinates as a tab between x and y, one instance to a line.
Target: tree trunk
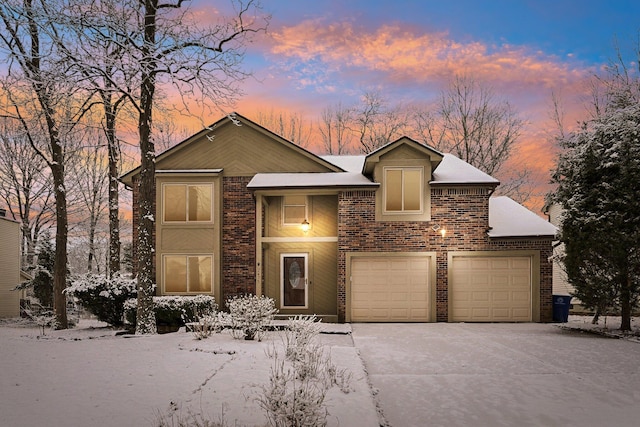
145	316
625	304
60	264
114	209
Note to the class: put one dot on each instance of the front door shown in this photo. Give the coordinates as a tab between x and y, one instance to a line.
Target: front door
294	283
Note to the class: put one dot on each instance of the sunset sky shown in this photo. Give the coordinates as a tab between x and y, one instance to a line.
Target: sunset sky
319	53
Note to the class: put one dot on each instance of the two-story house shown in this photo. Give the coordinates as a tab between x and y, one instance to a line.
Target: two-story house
404	234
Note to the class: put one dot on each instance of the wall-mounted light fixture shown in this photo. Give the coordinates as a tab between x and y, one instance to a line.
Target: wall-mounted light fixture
305	225
438	229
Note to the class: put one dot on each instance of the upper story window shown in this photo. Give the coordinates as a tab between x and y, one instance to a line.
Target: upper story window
403	191
187	202
294	210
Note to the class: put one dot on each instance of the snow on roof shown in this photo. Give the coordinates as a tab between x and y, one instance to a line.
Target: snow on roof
452	170
508	218
348	163
307	180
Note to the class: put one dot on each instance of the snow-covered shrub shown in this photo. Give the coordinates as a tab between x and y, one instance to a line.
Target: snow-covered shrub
206	324
174	310
104	297
288	401
299	334
250	315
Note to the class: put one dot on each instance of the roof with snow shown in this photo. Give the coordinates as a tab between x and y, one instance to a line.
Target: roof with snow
310	180
508	218
452	170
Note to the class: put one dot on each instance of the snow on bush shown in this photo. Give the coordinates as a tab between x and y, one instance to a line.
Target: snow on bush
298	383
104	297
250	315
174	310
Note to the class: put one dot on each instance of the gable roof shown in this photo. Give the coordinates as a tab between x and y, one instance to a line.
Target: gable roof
233	119
453	170
374	157
508	218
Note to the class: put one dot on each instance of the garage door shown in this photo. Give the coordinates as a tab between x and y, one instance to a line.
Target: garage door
490	289
390	289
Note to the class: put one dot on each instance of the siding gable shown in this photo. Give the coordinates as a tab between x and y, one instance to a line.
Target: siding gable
241	151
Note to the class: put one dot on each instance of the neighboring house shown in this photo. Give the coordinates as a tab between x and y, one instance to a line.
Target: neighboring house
405	233
10	275
561	285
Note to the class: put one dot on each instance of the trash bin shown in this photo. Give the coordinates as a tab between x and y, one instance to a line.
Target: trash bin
561	305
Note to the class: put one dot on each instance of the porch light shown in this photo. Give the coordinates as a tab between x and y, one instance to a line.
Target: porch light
438	229
305	225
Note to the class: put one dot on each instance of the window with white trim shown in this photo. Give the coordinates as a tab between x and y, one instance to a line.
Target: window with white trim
187	274
187	202
294	210
403	189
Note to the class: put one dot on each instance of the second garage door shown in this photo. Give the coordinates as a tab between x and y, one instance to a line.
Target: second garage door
490	289
390	289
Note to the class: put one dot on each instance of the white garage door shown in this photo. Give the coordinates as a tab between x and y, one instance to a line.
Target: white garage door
490	289
390	289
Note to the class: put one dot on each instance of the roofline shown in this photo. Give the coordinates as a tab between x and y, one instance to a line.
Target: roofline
234	117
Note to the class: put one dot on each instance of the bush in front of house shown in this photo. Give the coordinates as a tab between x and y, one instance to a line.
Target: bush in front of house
174	310
102	296
250	315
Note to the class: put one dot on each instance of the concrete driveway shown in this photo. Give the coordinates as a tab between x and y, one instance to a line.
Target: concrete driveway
445	374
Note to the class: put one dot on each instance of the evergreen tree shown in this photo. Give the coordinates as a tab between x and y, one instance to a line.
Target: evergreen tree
598	177
43	276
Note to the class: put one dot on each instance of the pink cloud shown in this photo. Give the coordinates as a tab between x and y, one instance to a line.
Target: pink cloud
409	54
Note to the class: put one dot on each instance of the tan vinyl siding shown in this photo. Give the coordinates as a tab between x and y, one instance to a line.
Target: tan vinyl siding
322	217
189	239
322	275
403	163
241	151
9	268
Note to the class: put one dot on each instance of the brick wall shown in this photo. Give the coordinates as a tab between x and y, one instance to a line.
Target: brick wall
463	212
238	238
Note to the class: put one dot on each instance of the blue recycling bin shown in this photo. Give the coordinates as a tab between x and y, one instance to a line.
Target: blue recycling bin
561	306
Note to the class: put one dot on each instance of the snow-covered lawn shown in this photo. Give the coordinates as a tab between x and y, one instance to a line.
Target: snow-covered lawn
88	376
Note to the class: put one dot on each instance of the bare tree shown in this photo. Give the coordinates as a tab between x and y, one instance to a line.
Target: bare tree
376	124
25	187
471	123
165	45
334	128
92	178
289	125
43	100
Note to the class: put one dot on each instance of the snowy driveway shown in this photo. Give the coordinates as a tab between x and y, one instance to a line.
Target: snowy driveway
447	374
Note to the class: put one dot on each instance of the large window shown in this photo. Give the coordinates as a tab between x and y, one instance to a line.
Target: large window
403	190
187	274
187	202
294	210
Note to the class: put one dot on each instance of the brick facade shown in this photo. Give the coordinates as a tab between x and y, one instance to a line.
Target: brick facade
238	238
463	211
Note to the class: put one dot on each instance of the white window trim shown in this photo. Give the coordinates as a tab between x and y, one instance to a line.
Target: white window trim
164	274
384	195
306	212
306	280
187	184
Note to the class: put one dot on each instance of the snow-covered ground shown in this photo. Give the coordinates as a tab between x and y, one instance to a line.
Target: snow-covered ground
422	374
88	376
508	374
